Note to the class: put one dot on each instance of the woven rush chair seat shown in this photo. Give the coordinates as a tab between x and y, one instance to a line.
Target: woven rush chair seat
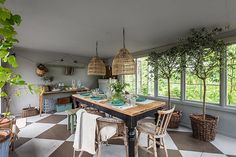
121	132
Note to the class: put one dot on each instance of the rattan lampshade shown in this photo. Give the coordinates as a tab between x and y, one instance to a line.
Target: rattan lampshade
96	66
123	63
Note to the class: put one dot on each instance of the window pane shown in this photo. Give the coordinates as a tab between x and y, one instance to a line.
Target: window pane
145	81
231	74
130	79
175	87
194	88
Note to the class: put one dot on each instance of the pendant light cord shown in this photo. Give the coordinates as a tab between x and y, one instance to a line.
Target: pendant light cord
97	48
123	37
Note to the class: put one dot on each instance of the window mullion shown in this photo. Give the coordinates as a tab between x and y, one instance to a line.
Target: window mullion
223	81
183	84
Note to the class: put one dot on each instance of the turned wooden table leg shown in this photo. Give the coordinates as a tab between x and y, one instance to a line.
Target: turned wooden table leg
131	141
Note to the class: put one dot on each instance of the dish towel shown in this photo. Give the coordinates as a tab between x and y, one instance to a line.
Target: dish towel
85	134
108	131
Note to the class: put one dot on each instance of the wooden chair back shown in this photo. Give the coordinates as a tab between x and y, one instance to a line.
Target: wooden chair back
163	121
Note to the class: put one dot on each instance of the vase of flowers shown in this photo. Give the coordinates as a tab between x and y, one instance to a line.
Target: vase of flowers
118	90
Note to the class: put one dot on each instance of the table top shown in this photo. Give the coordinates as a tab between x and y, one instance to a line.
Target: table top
132	111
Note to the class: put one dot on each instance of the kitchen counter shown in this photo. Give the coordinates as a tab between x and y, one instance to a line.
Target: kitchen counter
66	91
41	97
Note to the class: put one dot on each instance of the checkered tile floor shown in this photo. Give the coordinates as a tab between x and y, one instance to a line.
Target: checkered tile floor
47	136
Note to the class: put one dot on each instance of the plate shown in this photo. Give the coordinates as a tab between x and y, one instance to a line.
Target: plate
140	99
117	102
96	97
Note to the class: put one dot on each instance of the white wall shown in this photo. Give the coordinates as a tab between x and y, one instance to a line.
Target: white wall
28	59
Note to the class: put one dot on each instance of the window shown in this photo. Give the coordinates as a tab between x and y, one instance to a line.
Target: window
194	88
231	75
175	87
130	79
145	82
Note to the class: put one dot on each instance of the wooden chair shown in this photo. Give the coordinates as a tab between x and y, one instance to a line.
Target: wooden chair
121	132
155	131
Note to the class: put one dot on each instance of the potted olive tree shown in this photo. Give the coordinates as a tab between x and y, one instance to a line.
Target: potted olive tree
165	65
204	54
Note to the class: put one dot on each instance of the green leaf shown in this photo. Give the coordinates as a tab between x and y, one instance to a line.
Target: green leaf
3	53
12	61
17	80
3	94
5	14
16	19
18	93
2	1
2	84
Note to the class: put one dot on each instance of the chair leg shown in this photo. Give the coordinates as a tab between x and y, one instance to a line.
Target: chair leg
163	143
154	147
72	124
74	153
68	122
80	154
137	143
148	141
99	150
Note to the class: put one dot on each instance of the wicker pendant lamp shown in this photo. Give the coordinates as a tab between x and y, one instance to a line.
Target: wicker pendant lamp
96	65
123	63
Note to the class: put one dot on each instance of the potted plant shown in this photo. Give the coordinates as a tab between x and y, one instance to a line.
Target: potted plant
165	65
118	89
8	21
204	54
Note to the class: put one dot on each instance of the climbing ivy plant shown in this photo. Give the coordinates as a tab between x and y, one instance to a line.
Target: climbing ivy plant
8	22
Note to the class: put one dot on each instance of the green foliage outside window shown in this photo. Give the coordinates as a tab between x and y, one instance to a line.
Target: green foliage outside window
145	81
231	75
130	79
194	88
175	85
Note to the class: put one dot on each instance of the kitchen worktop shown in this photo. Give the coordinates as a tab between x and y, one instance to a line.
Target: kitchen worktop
66	91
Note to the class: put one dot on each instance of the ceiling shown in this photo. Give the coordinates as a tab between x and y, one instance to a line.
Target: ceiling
73	26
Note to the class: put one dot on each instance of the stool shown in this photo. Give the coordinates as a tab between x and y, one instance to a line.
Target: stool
71	116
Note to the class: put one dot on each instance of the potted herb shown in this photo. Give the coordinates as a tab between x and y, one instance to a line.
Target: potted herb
204	55
165	65
118	89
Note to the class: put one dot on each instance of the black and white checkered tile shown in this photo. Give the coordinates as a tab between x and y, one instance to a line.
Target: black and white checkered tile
47	136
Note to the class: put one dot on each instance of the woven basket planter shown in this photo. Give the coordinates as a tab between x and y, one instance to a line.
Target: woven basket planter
30	111
175	120
204	130
41	70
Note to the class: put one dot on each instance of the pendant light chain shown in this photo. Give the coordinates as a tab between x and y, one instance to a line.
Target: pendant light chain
96	66
97	48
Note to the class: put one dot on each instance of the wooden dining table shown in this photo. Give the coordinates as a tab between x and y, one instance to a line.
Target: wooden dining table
129	115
